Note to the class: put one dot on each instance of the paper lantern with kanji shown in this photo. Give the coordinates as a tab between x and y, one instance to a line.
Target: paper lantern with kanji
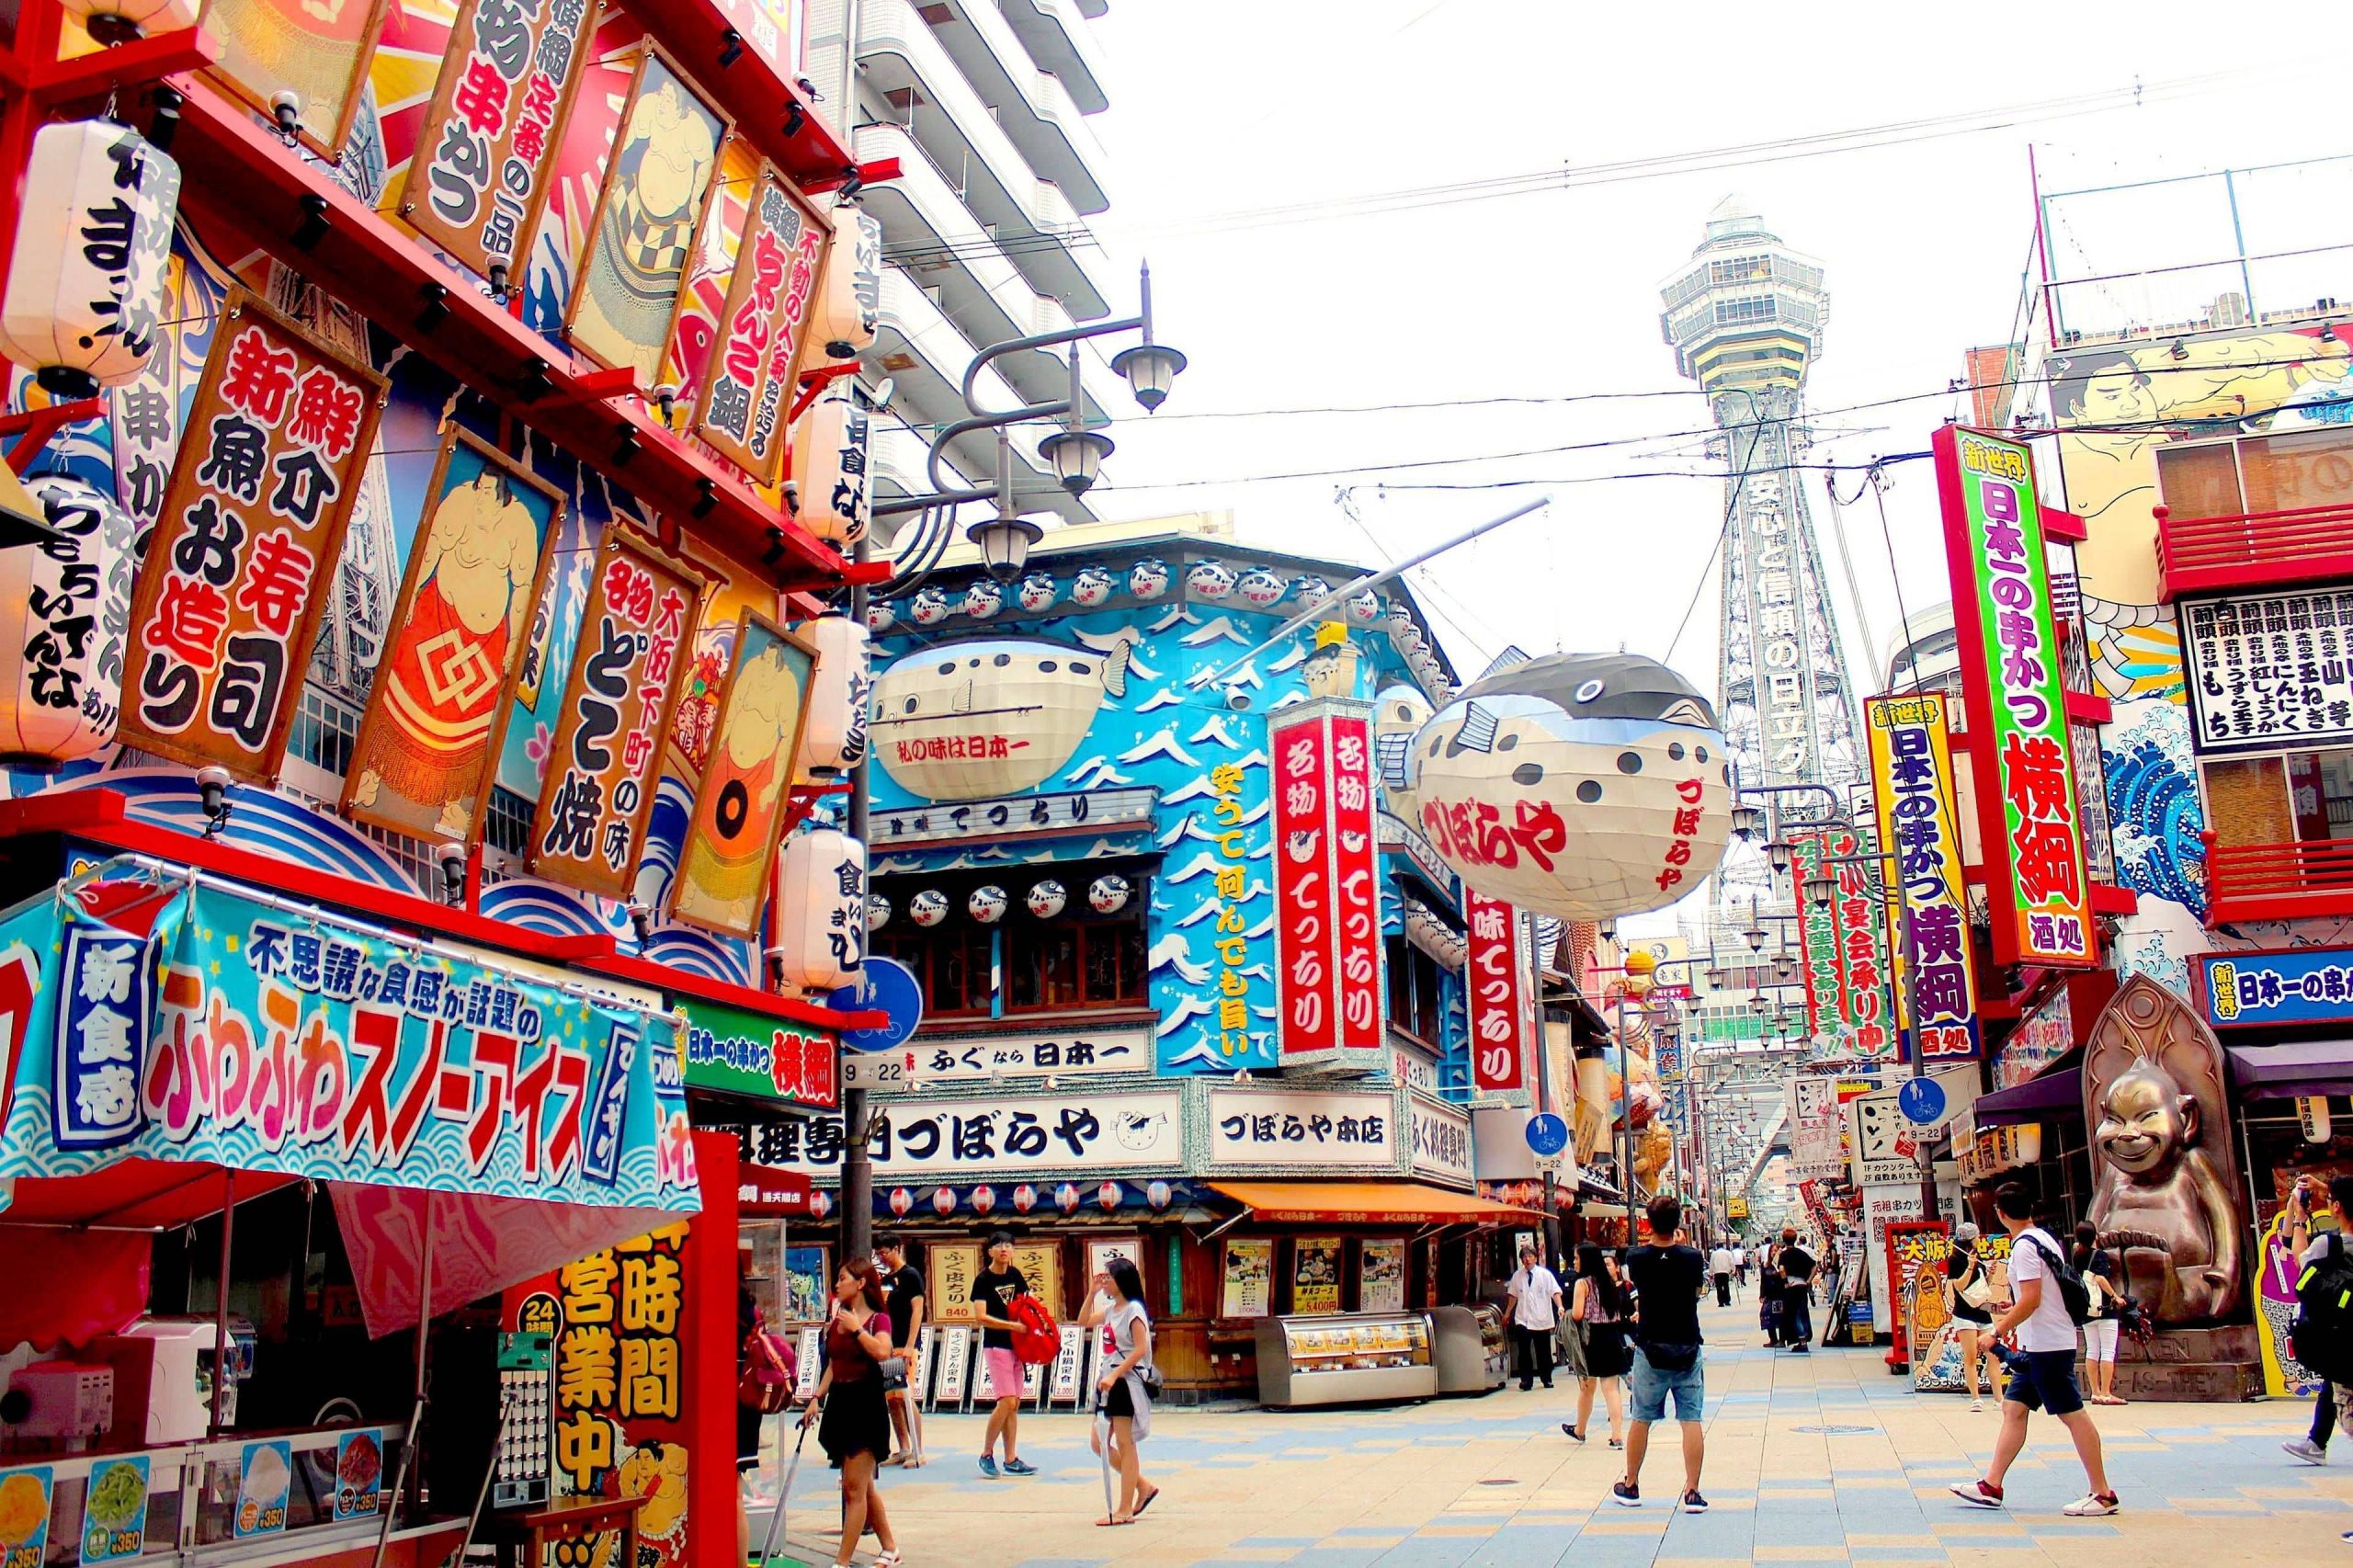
834	739
61	664
820	910
829	466
94	241
1585	786
849	296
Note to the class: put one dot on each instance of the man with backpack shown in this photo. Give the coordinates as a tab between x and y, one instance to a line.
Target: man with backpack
2321	1337
2048	1301
994	1289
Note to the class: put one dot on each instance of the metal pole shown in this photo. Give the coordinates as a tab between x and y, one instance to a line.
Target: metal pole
220	1302
1544	1103
1625	1117
416	1405
858	1170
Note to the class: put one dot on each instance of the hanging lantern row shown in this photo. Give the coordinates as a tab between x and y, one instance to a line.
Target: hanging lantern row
1093	587
1023	1199
1107	895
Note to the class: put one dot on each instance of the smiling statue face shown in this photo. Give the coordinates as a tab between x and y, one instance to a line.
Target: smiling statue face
2145	1123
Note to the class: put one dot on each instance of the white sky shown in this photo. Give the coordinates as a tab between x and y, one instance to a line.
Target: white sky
1227	104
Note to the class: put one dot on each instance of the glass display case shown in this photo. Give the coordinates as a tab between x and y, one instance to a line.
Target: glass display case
1342	1358
1472	1351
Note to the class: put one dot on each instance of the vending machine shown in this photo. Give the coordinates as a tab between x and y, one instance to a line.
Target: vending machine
525	1392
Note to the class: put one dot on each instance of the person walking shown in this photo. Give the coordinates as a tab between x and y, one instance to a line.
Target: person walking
2096	1265
2042	1375
1796	1267
1740	1257
994	1289
1772	1296
1122	1397
903	1298
1669	1277
2315	1250
1597	1319
1535	1294
1971	1289
855	1431
1721	1265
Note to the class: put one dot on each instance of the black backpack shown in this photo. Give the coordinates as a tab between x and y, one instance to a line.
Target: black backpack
2322	1336
2071	1289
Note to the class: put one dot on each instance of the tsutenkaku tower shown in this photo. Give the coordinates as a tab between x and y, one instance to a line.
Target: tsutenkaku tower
1745	319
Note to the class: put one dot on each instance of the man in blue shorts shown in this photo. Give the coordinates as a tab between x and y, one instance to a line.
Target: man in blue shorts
2043	1373
1669	1277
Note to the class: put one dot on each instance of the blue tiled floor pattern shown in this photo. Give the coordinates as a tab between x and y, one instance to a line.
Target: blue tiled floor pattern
1790	1509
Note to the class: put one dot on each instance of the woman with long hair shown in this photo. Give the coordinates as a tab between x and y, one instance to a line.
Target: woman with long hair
856	1431
1115	1304
1972	1321
2096	1266
1599	1311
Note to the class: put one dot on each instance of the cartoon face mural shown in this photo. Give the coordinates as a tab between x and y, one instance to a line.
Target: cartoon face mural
1585	786
973	720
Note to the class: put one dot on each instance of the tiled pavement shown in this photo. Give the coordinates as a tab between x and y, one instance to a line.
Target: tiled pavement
1456	1483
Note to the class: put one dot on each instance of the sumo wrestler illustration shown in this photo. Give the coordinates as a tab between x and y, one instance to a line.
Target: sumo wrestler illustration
970	721
722	872
663	163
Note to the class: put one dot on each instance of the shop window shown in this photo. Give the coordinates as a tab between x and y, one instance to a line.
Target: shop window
953	962
2302	797
1053	965
1414	1004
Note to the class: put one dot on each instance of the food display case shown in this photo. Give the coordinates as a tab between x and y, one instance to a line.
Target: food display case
1344	1358
1471	1350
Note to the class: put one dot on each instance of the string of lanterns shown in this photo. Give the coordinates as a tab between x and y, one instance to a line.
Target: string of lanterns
1068	1197
1107	895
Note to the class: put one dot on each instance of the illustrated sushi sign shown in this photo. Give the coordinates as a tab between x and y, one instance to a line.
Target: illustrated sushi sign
1327	930
2026	798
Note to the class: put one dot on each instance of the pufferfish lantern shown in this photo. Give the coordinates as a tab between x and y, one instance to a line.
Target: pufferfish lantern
1585	786
986	904
1398	716
928	907
1108	894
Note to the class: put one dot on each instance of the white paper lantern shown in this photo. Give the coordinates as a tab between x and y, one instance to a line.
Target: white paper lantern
983	599
1311	589
1091	587
1585	786
1108	894
94	237
60	665
943	1200
1366	607
820	910
1047	898
984	1200
834	738
1148	579
118	21
881	616
1037	592
1210	579
986	904
849	296
928	907
985	717
930	607
878	912
1262	587
829	466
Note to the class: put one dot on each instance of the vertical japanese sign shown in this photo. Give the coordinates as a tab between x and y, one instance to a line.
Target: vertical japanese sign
1355	878
1327	932
1233	927
2035	876
1819	932
748	380
1496	981
1912	783
105	1004
739	811
228	598
621	1390
421	763
482	168
590	826
1864	1011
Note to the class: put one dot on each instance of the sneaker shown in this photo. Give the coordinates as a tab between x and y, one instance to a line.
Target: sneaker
1625	1495
1977	1406
1571	1431
1694	1503
2098	1506
1978	1494
1019	1467
1802	1349
988	1465
2307	1451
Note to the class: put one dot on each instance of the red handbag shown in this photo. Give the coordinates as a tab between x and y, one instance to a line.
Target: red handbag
769	1373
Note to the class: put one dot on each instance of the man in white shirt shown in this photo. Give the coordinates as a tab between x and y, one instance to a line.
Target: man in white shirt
1535	1309
1721	1263
2043	1374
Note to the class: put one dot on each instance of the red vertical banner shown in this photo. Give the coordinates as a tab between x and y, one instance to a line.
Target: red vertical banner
1498	985
1307	909
1355	883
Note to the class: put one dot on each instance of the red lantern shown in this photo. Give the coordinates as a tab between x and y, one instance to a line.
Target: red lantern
1108	1195
984	1200
901	1202
1066	1199
821	1204
1025	1198
1157	1195
944	1201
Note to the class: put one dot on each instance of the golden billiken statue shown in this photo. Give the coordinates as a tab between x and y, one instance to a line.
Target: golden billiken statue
445	672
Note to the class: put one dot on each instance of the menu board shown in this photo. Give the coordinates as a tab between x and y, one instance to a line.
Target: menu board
1315	1275
1249	1278
1381	1283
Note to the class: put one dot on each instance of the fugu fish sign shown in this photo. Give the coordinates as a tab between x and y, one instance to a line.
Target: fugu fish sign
972	720
1585	786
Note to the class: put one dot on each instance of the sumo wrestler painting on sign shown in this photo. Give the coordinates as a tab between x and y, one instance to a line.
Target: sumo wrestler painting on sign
724	868
421	763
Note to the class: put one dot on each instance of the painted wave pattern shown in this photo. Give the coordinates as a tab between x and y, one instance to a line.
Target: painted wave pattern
2154	815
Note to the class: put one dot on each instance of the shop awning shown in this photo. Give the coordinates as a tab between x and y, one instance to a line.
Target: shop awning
1351	1202
2288	1072
2059	1089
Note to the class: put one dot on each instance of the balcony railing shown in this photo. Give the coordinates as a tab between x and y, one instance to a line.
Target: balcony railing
2278	881
2249	550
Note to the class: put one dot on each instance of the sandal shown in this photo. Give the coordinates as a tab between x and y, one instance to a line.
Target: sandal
888	1560
1114	1519
1147	1501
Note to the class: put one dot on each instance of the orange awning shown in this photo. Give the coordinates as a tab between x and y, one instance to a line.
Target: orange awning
1356	1202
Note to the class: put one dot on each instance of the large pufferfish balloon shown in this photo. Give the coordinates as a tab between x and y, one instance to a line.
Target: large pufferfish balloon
1567	786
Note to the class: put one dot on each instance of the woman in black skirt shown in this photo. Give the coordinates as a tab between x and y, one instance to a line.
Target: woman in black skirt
1598	1311
856	1431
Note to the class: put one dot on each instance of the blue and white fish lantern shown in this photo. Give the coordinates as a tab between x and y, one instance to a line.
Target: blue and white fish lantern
1209	580
881	616
1148	579
1309	589
983	599
1366	608
1585	786
928	907
986	904
1092	587
878	912
1108	894
1037	592
930	607
1262	587
1047	898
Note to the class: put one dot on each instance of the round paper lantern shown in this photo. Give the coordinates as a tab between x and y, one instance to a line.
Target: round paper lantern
821	1203
1261	587
985	717
1566	786
1047	898
833	739
85	285
984	1200
901	1202
881	616
1398	715
878	912
1066	1199
1400	618
983	599
829	466
1025	1198
1091	587
930	607
928	907
820	902
849	306
944	1201
986	904
1108	894
1037	592
1148	579
1366	607
60	665
1210	579
118	21
1157	1195
1109	1195
1309	589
